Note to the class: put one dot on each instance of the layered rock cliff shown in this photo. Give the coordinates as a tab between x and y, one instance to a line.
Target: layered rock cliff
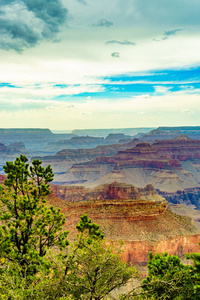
63	160
108	191
143	225
189	196
10	152
171	132
168	165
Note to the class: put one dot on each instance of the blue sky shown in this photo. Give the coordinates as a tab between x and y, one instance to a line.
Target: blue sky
99	64
153	83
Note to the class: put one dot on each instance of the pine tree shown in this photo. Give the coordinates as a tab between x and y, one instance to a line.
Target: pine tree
93	270
28	227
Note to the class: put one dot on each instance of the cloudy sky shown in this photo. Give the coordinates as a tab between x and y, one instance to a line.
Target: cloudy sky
69	64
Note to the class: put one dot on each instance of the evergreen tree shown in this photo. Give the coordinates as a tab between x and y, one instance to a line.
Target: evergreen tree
28	227
93	270
168	278
195	276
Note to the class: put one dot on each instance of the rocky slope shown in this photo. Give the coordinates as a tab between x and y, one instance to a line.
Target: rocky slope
114	190
62	161
143	225
189	196
11	151
169	165
185	210
171	132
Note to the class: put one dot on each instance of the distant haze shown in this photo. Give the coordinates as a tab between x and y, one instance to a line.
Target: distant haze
60	131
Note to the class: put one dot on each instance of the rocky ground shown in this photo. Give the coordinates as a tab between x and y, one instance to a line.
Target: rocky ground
143	225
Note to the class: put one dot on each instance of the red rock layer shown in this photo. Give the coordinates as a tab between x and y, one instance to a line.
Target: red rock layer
108	191
144	226
160	155
137	252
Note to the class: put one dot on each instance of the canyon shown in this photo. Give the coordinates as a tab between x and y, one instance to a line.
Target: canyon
122	185
105	132
188	196
41	142
11	151
169	165
163	133
139	217
115	191
63	160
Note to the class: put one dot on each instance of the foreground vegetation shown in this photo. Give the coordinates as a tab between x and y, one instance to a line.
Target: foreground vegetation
37	261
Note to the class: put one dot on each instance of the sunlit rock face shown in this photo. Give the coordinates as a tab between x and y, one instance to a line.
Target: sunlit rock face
114	190
139	217
137	252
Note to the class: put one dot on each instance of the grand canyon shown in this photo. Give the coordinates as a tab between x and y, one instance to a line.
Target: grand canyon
105	95
140	187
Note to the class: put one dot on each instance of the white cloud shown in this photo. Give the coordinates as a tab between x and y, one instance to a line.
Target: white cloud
162	89
171	109
28	93
81	58
83	63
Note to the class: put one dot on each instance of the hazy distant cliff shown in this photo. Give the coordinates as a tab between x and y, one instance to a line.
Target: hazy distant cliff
171	132
169	165
105	132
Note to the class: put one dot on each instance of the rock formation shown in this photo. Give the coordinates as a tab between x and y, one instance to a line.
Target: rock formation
11	151
78	142
62	161
189	196
163	133
143	225
115	138
169	165
114	190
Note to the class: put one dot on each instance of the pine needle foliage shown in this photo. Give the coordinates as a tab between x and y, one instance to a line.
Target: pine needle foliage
28	227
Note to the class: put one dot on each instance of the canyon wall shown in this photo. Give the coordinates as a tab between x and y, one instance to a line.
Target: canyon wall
137	252
143	225
168	165
114	190
189	196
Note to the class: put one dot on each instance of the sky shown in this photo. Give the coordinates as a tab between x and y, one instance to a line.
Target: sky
77	64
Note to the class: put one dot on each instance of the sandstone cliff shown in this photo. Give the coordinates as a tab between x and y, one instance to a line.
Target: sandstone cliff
168	165
108	191
143	225
63	160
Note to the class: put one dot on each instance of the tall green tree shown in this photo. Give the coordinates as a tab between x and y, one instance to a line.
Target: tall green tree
90	270
93	270
195	257
28	227
168	279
